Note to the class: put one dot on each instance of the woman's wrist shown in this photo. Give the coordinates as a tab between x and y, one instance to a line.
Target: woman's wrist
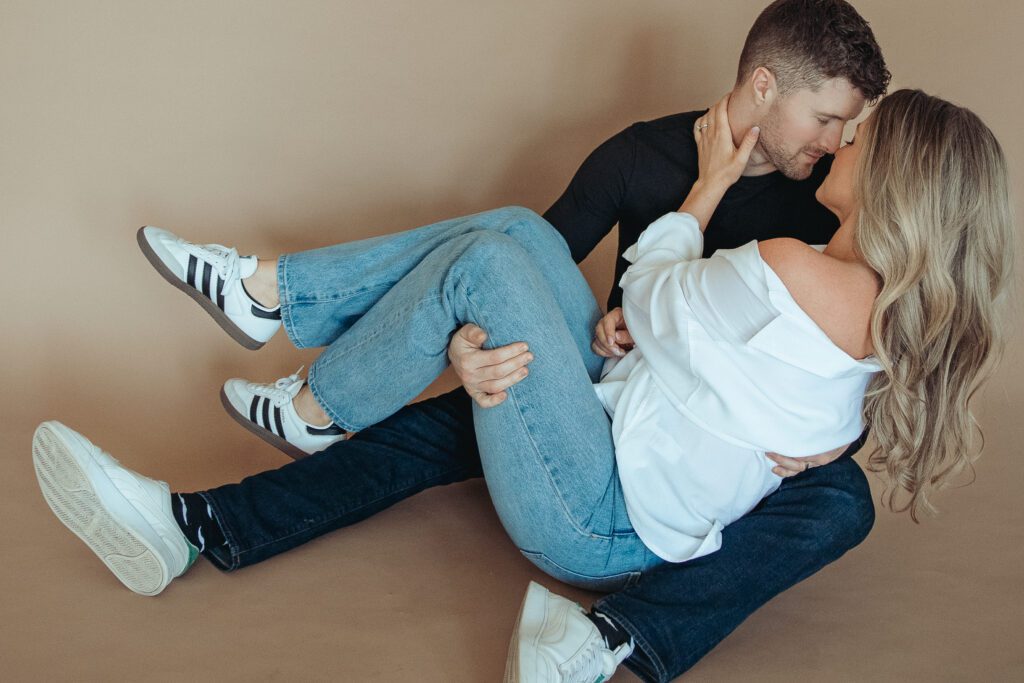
703	199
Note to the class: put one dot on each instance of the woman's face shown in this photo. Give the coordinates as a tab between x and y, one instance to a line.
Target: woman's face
836	193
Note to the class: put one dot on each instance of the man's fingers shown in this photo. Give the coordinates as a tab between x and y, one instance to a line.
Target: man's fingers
494	386
489	400
492	372
789	466
482	359
473	334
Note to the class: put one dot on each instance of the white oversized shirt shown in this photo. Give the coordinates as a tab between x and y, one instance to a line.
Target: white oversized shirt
726	367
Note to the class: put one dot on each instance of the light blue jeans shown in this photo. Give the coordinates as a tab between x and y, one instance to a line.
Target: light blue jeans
387	307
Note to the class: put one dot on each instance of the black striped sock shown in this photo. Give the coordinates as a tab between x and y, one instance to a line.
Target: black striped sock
196	520
613	634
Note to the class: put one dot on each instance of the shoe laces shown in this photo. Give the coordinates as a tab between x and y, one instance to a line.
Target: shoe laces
595	663
223	259
282	391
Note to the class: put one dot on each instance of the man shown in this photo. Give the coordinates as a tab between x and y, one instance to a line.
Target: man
808	67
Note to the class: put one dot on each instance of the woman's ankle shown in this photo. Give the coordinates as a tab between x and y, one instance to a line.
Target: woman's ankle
262	285
308	410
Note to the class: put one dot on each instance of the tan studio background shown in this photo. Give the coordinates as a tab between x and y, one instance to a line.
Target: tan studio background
281	126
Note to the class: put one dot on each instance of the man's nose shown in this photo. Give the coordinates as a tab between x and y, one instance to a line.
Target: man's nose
834	137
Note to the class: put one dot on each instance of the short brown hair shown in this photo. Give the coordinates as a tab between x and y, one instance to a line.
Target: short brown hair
806	42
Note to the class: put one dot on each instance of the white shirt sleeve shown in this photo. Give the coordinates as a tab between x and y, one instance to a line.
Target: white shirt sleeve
669	284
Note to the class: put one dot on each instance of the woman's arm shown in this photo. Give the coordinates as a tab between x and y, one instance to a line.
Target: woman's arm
720	162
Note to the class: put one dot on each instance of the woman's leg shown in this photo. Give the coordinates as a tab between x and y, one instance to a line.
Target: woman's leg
547	453
325	291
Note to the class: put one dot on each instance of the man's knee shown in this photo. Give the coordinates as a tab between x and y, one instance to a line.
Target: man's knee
850	510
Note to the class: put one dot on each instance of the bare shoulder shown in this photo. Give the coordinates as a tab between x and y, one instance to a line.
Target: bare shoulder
837	295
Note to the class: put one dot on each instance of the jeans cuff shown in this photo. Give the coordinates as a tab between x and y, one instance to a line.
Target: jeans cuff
311	382
229	535
284	297
644	661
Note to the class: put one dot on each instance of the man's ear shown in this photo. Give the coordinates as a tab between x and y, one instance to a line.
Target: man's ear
764	88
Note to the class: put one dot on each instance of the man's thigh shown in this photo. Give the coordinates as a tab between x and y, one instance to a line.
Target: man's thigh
679	612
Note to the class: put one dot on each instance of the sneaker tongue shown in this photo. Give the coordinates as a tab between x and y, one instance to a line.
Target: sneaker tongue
246	266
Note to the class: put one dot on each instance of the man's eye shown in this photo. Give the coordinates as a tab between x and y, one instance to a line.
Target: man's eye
823	122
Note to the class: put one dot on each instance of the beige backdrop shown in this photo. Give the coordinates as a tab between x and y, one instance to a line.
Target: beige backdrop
279	126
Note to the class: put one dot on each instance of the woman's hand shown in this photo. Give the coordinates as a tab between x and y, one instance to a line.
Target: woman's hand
788	467
719	161
611	338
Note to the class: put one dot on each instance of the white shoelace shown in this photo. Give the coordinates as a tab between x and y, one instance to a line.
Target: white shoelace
223	259
282	391
590	665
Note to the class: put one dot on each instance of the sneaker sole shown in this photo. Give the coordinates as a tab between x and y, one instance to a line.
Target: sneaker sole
226	324
535	595
273	439
72	496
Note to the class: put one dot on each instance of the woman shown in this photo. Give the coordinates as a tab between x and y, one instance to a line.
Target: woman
901	303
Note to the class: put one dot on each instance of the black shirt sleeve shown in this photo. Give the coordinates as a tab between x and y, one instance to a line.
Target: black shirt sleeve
592	204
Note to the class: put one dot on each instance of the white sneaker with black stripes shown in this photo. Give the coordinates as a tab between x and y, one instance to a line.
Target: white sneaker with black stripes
268	411
212	274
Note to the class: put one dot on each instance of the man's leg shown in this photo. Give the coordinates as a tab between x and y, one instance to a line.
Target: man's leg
425	444
678	612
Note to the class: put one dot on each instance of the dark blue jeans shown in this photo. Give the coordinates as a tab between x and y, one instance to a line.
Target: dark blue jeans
676	612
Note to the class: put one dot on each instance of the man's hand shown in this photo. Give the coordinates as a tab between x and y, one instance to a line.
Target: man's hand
611	338
788	467
486	374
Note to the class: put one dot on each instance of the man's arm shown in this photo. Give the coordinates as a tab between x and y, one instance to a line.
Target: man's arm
592	203
584	214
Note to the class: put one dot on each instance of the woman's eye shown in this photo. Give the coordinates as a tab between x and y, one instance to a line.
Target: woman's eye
823	122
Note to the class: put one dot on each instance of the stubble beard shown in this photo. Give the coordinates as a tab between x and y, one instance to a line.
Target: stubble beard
789	164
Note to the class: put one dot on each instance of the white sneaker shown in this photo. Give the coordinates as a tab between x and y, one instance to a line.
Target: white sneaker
212	275
268	411
555	642
123	517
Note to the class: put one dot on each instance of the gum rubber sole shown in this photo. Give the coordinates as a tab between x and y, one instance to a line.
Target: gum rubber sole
74	501
270	437
221	318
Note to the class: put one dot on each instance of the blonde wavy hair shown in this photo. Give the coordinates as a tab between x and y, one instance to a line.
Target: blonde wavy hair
935	223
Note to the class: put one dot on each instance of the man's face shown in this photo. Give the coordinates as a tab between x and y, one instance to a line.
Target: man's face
807	124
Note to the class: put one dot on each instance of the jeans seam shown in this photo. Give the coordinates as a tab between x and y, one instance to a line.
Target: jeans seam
536	450
331	413
327	520
659	668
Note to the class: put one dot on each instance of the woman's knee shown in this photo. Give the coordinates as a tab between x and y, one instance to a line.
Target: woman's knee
532	231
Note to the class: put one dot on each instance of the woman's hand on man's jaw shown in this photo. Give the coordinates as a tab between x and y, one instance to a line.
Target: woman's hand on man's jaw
720	162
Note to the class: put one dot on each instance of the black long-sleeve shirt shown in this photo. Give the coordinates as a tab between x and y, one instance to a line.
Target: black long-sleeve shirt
647	170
